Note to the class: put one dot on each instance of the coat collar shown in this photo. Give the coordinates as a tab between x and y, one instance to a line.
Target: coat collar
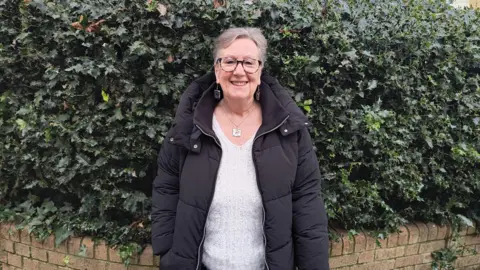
195	110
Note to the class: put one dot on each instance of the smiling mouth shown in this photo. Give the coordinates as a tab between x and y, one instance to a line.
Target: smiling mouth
238	83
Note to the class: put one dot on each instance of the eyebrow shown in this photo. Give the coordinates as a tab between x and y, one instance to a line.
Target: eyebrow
233	56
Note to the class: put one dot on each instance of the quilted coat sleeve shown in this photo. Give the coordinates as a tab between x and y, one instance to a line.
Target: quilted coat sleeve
310	225
165	198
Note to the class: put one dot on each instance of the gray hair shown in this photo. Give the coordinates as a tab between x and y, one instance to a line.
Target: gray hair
232	34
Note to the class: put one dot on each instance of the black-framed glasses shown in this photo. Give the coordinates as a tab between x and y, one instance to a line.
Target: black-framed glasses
229	64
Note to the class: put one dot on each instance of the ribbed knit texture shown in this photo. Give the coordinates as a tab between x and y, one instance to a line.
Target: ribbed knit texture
234	233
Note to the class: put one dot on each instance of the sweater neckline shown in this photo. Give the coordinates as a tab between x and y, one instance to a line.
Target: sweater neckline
218	129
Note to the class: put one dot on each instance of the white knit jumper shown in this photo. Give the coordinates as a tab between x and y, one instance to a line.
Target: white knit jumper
234	232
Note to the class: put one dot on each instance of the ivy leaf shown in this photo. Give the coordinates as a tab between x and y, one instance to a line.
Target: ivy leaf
105	96
61	234
429	142
21	124
372	84
83	251
465	220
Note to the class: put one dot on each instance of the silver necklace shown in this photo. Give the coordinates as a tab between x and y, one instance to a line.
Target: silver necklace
236	130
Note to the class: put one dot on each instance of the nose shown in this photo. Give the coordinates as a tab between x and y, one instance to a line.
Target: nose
239	71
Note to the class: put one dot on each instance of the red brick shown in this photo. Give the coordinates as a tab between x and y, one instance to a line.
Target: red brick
22	250
88	243
471	230
402	236
337	247
463	230
366	256
4	229
3	256
389	253
37	265
348	244
46	266
393	240
427	266
8	246
360	242
413	233
146	258
344	260
25	236
62	247
113	255
39	254
14	260
472	239
140	267
36	242
101	251
371	243
57	258
383	265
95	264
427	258
409	260
431	246
13	233
467	261
442	232
432	231
76	262
385	254
66	260
74	244
382	243
31	264
422	232
412	249
49	243
116	266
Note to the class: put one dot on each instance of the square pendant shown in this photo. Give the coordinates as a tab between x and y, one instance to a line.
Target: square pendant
236	132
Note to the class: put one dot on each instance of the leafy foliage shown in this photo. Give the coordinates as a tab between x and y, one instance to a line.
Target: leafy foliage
89	88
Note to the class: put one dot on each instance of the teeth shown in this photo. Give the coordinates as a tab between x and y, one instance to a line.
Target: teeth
239	83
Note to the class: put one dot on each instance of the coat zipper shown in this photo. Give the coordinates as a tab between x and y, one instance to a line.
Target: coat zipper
209	203
258	185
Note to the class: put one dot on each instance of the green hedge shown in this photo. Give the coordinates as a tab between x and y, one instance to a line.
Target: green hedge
89	88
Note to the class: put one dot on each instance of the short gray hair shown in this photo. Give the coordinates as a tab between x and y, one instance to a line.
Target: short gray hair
232	34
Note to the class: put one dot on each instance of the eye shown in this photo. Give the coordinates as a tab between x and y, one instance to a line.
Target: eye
229	61
249	62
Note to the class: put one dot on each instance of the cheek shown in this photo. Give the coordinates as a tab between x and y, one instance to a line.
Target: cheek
255	79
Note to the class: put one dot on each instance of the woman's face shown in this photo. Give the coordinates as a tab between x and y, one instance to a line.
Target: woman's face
238	84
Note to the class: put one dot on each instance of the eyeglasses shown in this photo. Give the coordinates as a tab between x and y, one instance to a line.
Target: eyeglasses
229	64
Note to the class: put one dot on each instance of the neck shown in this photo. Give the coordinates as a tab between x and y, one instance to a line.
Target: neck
237	107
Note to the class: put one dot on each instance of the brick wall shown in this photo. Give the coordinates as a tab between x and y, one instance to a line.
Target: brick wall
409	250
474	3
18	250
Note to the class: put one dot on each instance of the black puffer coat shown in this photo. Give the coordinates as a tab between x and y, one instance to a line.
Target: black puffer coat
288	178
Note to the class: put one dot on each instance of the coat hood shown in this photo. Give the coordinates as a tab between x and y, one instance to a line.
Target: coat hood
196	106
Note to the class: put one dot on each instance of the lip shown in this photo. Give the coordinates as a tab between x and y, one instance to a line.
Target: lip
245	83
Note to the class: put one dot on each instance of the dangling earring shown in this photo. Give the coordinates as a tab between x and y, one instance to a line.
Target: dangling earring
257	94
217	94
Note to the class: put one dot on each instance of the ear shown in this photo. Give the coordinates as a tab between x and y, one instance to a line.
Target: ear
217	72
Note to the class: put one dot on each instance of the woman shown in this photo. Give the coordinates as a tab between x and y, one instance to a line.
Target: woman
238	183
